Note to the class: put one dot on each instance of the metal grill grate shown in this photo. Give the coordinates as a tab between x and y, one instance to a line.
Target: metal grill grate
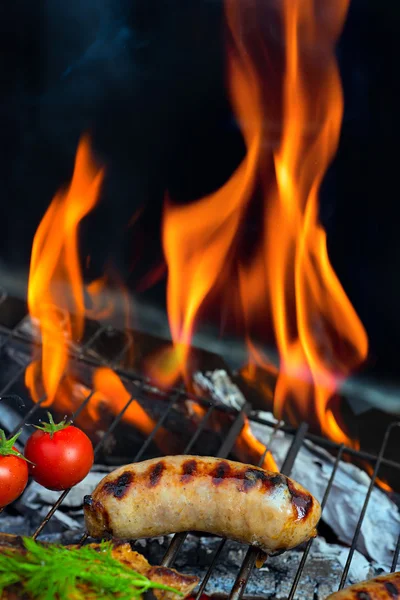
141	387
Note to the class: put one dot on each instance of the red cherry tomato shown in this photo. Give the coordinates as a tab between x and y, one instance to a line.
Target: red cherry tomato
62	455
13	471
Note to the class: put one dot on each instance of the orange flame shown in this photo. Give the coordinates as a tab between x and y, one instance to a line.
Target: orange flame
102	306
55	287
298	252
199	238
289	277
247	443
108	384
164	366
56	292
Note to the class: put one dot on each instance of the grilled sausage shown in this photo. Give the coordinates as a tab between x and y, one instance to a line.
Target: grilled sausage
198	493
384	587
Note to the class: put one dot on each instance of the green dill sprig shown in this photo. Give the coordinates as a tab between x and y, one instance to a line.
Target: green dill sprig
49	572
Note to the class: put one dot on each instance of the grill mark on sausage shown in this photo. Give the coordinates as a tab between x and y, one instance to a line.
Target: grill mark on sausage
252	476
362	595
155	473
301	501
391	589
120	486
88	501
106	519
247	478
221	472
189	469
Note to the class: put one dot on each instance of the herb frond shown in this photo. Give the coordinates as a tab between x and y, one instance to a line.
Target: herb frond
52	571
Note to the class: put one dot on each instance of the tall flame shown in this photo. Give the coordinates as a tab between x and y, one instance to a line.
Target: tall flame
55	287
288	280
327	340
199	238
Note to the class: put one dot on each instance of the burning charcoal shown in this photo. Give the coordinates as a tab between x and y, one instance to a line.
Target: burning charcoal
219	386
16	525
274	579
313	468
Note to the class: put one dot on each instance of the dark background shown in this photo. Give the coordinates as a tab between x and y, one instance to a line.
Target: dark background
146	79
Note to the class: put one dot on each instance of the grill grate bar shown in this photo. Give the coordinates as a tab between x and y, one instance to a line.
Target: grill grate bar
210	569
233	432
395	556
224	450
199	430
366	502
157	426
306	552
13	380
85	348
28	415
130	376
21	404
327	443
51	512
252	553
10	334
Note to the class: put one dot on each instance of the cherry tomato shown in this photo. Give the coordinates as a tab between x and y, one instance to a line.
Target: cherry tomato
61	455
13	471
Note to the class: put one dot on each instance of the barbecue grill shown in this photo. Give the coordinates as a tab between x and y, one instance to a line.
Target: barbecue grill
13	317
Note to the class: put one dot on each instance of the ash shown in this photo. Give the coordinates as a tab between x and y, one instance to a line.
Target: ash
313	468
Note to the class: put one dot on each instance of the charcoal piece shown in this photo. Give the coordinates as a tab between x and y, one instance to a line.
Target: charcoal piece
17	525
219	386
274	580
12	310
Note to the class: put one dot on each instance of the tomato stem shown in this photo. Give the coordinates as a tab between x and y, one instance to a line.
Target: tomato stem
52	427
6	446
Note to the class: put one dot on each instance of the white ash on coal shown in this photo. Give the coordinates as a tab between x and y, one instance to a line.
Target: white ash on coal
219	386
274	579
312	468
31	508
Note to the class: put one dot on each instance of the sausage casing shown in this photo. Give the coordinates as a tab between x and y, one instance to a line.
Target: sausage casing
197	493
384	587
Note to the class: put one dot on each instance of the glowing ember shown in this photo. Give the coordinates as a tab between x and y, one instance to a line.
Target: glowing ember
164	366
108	384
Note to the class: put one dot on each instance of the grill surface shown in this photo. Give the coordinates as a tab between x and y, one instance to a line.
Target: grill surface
13	317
